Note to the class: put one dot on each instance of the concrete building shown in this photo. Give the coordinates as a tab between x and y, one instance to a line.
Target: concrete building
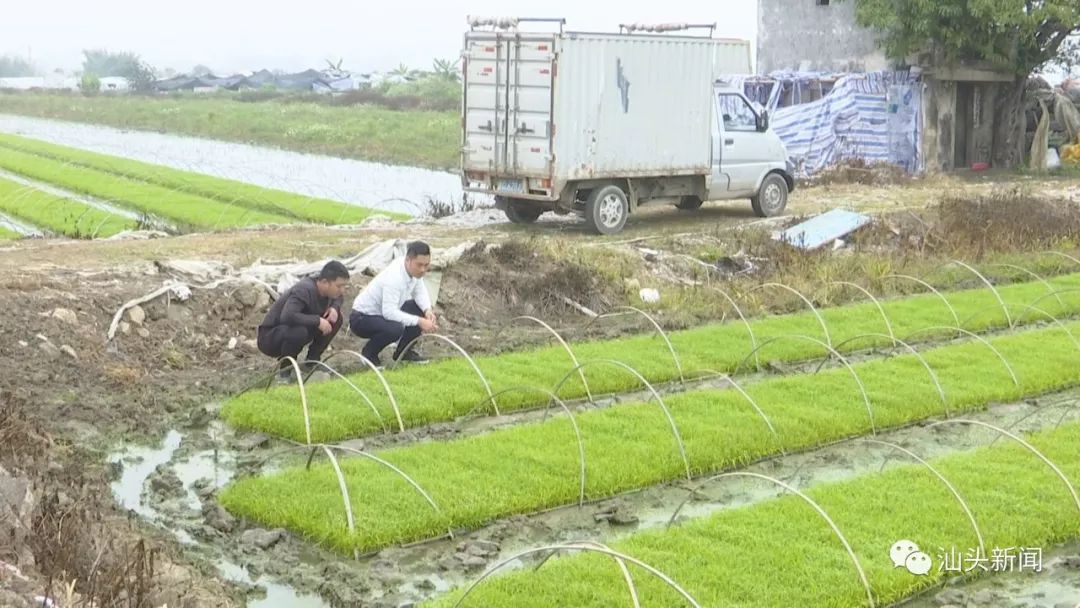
823	36
815	36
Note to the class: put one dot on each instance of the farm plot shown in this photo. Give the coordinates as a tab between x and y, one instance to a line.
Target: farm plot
316	210
784	553
448	389
59	215
182	209
599	453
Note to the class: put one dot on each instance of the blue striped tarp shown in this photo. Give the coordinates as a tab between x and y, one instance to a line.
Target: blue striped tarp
874	117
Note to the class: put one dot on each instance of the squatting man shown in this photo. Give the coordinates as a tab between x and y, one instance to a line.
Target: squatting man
394	307
308	314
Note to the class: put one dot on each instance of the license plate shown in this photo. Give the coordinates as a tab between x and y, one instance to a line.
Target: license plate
512	185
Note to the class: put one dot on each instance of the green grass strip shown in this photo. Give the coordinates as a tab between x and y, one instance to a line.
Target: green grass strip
782	553
184	209
318	210
415	138
450	388
527	468
58	214
8	235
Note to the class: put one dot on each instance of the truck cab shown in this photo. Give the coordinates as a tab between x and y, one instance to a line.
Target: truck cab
749	160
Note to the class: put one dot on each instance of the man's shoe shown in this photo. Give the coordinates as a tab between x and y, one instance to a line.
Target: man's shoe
284	376
412	357
311	365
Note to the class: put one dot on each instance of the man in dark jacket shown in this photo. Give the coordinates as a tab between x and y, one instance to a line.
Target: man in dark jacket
308	314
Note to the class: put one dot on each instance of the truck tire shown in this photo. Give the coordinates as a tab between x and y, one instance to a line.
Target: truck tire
689	203
771	199
521	213
606	210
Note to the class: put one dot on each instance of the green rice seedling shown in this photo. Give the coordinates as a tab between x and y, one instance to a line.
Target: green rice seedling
60	215
8	235
451	388
181	208
530	467
318	210
783	553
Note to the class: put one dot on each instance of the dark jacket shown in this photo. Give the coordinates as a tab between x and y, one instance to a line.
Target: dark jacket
300	305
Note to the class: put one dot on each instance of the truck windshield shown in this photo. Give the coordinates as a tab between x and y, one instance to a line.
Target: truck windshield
737	114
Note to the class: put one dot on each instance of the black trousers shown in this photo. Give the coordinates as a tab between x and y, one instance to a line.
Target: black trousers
288	340
381	332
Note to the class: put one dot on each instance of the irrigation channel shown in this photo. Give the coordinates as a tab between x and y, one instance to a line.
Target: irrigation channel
172	485
374	185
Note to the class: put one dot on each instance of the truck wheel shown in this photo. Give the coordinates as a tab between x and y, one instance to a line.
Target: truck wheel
771	200
606	210
522	213
689	203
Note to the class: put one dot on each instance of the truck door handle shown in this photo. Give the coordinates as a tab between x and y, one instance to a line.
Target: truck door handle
729	142
486	127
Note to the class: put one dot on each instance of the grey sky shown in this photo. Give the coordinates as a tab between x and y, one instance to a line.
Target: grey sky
233	35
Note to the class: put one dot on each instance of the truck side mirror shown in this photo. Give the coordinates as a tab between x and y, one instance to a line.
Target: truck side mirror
763	121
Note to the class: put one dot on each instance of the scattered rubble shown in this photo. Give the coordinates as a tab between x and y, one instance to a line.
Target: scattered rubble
65	315
219	519
16	511
262	539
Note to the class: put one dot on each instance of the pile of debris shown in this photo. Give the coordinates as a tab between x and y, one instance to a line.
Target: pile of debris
1053	124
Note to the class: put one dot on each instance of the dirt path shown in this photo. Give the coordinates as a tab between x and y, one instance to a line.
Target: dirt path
246	246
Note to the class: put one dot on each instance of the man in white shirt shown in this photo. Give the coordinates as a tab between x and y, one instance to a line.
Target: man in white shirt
396	307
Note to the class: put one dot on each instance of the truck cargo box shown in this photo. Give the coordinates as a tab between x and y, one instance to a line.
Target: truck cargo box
544	109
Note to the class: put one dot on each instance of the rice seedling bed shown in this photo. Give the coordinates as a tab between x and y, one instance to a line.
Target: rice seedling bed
783	553
185	210
59	215
317	210
8	235
450	388
531	467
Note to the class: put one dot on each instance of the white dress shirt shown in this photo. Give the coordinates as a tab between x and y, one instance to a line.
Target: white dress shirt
389	291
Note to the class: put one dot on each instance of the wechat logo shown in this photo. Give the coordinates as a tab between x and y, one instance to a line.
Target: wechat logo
906	554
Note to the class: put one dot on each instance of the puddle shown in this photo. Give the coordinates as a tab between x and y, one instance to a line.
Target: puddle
277	596
138	463
392	188
203	470
1057	586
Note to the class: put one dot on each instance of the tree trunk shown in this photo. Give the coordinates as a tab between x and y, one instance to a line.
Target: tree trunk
1009	126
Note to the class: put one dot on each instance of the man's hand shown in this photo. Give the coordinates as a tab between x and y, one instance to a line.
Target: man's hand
331	315
427	326
324	326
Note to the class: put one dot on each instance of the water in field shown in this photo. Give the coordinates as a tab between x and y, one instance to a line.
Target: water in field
392	188
10	223
138	464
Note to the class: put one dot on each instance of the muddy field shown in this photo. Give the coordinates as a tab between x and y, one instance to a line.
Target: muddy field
111	450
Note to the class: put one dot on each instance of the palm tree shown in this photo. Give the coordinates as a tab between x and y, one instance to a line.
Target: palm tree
402	71
335	68
446	68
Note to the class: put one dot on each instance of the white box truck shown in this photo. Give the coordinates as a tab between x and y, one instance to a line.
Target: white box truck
598	124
